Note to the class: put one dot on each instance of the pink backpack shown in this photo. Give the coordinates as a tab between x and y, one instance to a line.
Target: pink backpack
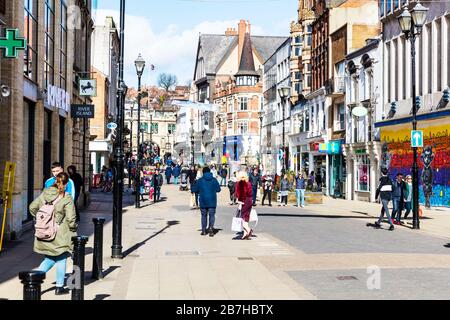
46	226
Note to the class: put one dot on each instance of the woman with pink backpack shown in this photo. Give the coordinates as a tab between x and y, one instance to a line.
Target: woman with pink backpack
55	225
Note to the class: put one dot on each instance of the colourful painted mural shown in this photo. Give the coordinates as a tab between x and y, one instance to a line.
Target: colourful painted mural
436	136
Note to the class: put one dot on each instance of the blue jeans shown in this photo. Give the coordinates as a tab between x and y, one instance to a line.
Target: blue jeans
212	218
384	211
61	264
300	193
398	208
255	192
223	182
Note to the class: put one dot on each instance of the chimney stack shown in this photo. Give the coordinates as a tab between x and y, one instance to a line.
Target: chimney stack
231	32
244	27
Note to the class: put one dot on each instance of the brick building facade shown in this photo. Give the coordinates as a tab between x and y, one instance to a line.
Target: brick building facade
36	128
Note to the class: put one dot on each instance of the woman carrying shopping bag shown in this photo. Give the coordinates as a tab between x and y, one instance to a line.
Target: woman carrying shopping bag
244	195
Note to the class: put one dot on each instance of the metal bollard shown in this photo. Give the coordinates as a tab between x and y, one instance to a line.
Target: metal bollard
79	252
97	265
32	281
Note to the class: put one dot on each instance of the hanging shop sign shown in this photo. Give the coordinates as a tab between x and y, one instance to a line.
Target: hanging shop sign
88	88
12	43
58	98
83	111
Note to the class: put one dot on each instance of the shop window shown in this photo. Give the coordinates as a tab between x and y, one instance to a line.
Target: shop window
363	173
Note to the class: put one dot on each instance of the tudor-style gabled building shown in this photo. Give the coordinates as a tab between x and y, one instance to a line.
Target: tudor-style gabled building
228	72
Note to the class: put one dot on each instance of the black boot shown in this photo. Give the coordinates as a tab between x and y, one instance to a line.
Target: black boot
59	291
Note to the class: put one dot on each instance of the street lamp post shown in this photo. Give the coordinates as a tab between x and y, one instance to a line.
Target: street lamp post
192	143
261	117
116	248
284	94
140	66
131	144
411	23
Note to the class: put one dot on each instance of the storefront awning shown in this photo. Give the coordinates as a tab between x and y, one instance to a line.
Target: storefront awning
421	117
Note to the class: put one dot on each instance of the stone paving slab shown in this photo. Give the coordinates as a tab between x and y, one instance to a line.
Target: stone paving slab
172	261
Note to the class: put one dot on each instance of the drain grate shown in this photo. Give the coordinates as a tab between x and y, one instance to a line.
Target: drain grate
245	258
346	278
182	253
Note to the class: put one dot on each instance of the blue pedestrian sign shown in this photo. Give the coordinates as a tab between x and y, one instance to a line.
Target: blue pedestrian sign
280	155
417	139
112	126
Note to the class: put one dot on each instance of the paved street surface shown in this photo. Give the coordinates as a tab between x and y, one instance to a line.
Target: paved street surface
320	252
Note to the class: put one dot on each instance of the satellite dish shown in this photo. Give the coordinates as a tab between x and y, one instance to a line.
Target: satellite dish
359	111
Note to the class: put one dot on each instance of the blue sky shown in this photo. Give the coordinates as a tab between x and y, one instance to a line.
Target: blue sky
166	32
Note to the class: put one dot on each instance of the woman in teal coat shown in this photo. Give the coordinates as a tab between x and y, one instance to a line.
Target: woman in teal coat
408	194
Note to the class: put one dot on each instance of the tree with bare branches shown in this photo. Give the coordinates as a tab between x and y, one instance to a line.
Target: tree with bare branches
167	81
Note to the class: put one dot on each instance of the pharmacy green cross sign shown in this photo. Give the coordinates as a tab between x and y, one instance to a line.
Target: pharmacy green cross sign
12	43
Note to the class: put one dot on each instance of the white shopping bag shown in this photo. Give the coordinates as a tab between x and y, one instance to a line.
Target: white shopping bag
254	217
236	225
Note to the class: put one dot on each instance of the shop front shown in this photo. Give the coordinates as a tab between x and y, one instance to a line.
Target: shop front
434	176
337	169
363	170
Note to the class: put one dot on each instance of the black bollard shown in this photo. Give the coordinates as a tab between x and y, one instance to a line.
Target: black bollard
79	252
32	281
97	264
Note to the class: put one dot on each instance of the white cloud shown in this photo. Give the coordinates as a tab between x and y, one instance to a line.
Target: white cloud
173	50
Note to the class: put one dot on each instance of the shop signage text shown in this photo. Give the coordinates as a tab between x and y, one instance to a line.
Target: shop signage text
83	111
58	98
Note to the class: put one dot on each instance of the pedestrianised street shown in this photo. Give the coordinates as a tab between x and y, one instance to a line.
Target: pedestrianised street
319	252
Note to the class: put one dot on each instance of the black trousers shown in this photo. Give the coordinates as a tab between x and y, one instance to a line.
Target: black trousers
77	211
157	194
284	199
232	197
267	193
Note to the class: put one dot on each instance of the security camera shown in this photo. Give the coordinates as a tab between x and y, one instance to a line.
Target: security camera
5	91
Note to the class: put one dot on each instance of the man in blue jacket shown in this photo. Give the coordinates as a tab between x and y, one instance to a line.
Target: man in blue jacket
57	168
207	187
176	173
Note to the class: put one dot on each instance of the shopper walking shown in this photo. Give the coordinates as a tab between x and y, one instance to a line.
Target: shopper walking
245	200
300	189
157	184
58	250
207	188
384	191
267	188
223	175
397	198
168	173
284	189
176	172
78	182
57	168
255	180
408	195
232	188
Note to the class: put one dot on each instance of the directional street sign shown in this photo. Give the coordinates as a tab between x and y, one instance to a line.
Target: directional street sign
12	43
112	126
417	139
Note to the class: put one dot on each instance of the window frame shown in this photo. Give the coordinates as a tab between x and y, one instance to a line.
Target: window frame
241	103
361	162
31	34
